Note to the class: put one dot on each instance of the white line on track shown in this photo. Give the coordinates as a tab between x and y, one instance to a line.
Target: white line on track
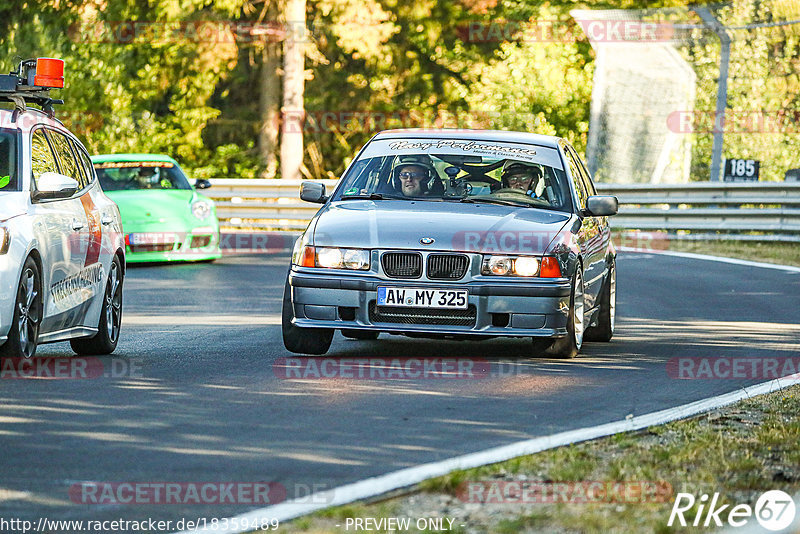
693	256
379	485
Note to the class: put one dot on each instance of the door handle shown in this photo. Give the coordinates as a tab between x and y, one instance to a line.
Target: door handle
76	224
106	220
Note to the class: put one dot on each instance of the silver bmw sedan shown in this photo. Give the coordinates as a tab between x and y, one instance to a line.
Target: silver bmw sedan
460	235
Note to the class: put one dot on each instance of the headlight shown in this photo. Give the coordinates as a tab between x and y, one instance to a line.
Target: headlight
201	209
526	266
332	258
5	239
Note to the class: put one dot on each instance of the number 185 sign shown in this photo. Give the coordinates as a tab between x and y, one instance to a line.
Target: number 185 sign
738	170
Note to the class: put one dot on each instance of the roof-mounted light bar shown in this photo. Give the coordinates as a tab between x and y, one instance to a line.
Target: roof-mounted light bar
32	82
48	72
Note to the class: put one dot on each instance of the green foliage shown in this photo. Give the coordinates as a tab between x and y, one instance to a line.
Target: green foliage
372	65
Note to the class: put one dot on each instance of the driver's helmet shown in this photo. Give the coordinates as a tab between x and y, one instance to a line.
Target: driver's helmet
532	173
419	161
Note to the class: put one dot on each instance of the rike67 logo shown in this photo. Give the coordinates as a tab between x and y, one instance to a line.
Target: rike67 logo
774	510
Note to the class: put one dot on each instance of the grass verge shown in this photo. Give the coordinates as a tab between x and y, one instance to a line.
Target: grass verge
739	452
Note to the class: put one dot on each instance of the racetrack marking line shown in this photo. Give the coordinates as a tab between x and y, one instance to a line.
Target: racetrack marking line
403	478
693	256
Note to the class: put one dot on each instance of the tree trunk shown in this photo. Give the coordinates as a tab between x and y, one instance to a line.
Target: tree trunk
293	112
269	114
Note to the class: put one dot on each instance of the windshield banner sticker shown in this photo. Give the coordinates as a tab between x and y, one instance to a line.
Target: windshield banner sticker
493	149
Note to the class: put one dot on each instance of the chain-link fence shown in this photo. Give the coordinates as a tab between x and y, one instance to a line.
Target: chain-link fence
658	102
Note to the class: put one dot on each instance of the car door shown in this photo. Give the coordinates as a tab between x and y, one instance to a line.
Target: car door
56	225
589	235
104	232
603	222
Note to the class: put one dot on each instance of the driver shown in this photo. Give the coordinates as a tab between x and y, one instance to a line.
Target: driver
411	176
521	177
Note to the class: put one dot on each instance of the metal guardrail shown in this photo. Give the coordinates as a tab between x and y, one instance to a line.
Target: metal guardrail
760	211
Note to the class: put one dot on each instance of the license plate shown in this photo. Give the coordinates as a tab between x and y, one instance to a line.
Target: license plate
420	297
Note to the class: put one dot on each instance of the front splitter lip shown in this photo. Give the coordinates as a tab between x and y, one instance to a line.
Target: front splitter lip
179	256
427	329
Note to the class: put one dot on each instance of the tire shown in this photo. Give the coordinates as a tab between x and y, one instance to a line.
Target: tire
23	335
606	316
302	340
570	345
108	329
363	335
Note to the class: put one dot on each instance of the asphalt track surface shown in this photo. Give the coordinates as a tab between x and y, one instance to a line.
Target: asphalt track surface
204	402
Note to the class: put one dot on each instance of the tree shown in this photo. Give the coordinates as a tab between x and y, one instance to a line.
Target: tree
293	89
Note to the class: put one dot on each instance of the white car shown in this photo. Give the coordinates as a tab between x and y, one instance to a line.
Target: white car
62	259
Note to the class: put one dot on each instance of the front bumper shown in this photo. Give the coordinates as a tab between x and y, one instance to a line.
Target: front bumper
166	246
512	308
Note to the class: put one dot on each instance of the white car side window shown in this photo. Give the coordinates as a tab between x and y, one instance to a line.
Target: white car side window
42	159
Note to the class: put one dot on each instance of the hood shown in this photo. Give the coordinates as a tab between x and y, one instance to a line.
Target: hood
13	204
401	224
153	205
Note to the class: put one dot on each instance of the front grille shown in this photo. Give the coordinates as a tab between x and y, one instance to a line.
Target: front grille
402	264
427	316
152	247
200	241
447	266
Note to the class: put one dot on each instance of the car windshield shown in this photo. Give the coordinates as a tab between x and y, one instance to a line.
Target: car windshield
458	170
136	175
8	161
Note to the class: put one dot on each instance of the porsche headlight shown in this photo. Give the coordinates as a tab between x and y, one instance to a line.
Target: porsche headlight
201	209
526	266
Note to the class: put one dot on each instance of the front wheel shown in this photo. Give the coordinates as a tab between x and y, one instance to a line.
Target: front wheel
24	333
302	340
107	336
606	316
570	345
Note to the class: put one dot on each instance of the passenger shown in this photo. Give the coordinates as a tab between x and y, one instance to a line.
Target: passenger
521	177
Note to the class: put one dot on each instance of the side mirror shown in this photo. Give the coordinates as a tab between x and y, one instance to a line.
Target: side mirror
602	206
52	185
313	192
202	183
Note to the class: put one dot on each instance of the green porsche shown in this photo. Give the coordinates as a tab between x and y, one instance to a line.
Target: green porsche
163	217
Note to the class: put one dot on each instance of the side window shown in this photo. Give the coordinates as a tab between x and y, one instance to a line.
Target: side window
587	179
83	161
42	159
86	163
577	179
64	156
